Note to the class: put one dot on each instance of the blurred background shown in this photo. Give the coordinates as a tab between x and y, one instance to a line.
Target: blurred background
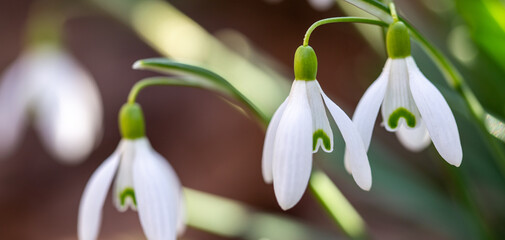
216	149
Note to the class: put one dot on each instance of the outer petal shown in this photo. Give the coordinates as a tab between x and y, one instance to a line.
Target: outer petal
414	139
399	107
14	100
67	104
158	193
268	146
436	115
322	135
358	160
368	108
90	209
293	148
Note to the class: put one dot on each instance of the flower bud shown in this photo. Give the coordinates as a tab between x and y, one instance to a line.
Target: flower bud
398	40
305	63
131	121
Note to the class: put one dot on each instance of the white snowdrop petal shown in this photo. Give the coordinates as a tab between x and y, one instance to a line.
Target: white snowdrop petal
268	146
322	134
436	114
124	194
368	108
321	5
399	107
358	160
157	191
67	104
95	193
414	139
293	149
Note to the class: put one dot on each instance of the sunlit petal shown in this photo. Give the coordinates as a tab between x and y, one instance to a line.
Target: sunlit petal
268	146
322	135
368	108
90	209
293	148
158	193
414	139
358	160
181	217
436	114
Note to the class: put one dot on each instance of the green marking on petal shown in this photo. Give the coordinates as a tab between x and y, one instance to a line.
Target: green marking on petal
401	113
320	134
127	192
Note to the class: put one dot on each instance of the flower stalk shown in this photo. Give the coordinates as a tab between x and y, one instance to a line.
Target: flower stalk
340	20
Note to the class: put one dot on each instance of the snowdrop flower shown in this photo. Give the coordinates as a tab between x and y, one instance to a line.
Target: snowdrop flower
412	107
46	85
144	182
299	128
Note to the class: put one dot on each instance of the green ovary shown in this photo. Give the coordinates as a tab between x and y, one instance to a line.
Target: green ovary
320	134
127	192
401	113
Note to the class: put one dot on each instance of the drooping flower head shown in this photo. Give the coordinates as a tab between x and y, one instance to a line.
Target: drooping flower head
412	106
47	86
301	127
144	181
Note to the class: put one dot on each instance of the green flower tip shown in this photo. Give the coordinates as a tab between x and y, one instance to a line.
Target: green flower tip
401	112
398	40
127	193
305	63
131	121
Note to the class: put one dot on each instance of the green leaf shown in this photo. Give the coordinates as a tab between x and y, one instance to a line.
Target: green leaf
193	76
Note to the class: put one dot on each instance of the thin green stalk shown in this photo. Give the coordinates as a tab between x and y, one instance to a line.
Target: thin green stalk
340	20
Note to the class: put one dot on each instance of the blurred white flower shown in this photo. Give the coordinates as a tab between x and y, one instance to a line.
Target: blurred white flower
47	86
144	182
320	5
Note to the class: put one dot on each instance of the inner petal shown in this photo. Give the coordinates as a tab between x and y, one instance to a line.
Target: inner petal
124	193
398	108
322	135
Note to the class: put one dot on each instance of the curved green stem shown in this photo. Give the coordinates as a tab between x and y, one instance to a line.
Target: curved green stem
193	76
340	20
188	82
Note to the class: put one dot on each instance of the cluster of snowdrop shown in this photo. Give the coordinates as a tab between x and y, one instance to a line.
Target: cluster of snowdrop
48	85
412	107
